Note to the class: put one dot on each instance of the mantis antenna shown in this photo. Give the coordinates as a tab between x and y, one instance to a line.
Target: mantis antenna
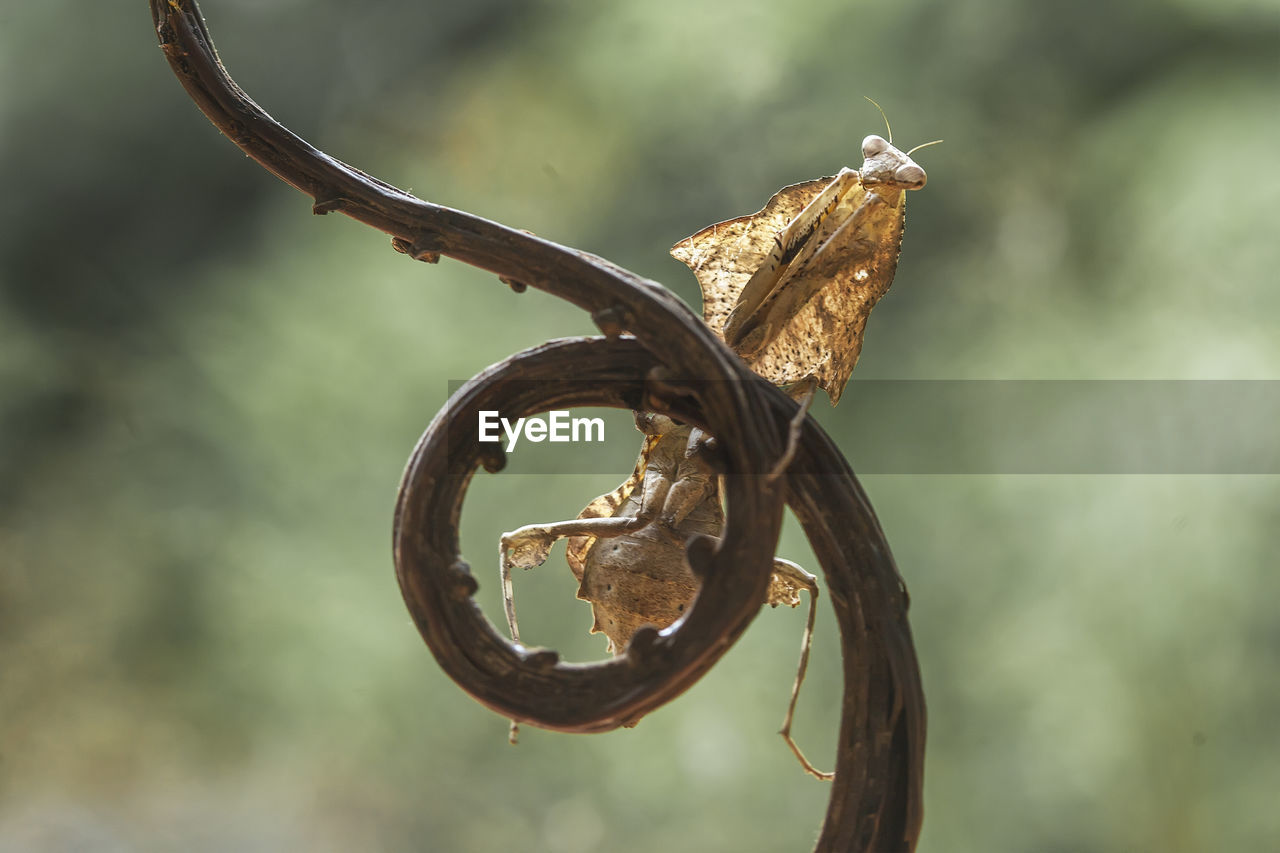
883	116
923	145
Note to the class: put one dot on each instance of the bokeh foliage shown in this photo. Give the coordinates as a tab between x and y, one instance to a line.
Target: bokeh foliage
207	396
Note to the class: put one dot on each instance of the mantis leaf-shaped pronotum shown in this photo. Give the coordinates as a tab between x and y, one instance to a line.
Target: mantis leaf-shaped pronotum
789	289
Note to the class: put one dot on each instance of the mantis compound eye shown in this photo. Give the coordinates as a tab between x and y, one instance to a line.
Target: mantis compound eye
910	175
873	145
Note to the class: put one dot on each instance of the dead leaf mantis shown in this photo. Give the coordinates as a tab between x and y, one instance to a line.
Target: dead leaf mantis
788	288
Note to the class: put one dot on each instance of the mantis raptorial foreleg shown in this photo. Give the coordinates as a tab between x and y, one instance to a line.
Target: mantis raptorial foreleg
794	237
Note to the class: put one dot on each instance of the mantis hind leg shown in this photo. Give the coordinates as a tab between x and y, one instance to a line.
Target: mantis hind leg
802	392
509	608
790	576
528	546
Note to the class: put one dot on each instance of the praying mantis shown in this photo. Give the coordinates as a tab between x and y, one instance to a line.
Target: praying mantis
789	289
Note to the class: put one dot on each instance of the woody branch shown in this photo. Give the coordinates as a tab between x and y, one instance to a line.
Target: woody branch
875	800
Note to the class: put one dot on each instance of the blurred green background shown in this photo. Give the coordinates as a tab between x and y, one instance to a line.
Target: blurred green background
207	396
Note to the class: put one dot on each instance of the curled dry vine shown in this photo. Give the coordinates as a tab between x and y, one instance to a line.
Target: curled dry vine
652	345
